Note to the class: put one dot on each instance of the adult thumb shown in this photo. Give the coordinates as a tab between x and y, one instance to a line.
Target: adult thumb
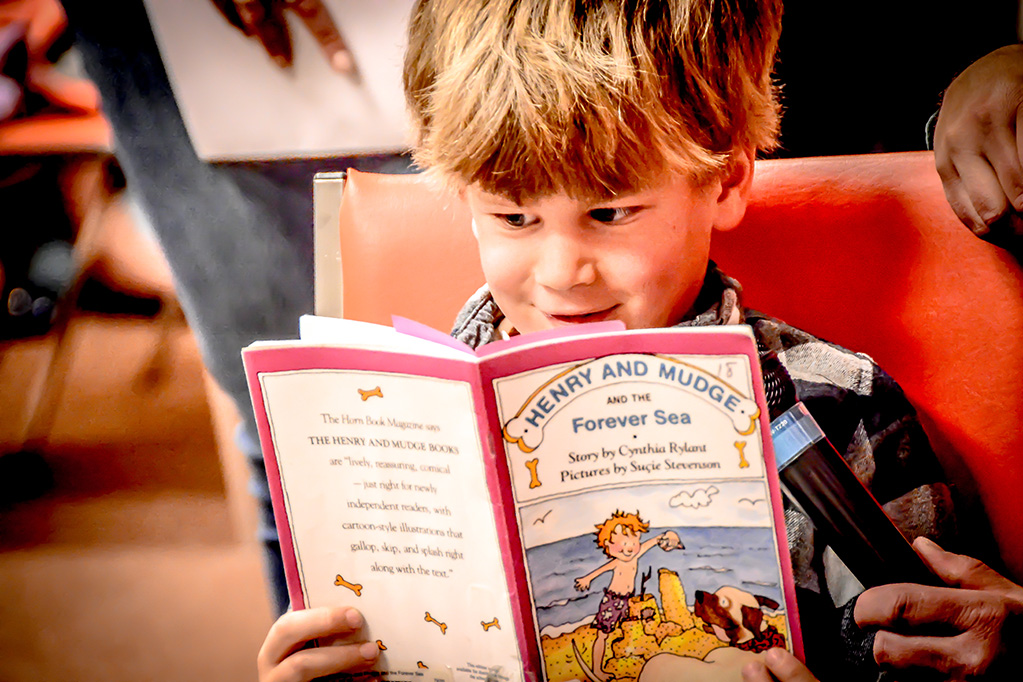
958	570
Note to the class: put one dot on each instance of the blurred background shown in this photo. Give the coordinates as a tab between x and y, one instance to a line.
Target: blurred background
130	538
128	545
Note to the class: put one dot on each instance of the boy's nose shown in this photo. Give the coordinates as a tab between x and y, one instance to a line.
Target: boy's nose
564	264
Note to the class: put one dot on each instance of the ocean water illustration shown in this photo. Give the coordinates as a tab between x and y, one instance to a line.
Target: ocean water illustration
713	557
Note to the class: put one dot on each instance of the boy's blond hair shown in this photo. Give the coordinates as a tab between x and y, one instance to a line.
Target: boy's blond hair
590	97
617	520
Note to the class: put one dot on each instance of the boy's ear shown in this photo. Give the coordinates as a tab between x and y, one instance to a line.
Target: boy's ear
461	193
736	181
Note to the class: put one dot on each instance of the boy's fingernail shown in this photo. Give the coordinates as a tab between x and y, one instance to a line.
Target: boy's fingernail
354	619
369	651
925	543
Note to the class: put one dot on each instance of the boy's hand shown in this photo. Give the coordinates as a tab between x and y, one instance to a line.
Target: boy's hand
781	664
582	584
283	658
964	631
978	141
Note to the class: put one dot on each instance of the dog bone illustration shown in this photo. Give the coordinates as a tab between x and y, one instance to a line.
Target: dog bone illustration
740	445
491	624
367	394
380	645
341	582
443	626
534	480
420	664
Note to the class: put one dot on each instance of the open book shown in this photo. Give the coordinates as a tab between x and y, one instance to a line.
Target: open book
591	503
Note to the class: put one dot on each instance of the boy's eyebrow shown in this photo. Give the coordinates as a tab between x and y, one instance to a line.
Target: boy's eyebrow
496	198
633	196
502	201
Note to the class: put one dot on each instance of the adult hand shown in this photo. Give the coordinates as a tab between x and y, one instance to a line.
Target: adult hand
964	631
265	21
285	658
978	142
781	664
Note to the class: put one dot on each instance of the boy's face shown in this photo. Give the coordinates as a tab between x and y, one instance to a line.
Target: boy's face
639	258
623	544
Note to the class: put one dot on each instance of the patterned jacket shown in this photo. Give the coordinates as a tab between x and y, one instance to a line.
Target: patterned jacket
865	415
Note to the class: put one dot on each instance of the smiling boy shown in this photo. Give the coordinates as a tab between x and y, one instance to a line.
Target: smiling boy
599	144
619	537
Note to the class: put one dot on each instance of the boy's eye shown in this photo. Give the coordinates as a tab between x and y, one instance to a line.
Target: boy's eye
611	215
516	219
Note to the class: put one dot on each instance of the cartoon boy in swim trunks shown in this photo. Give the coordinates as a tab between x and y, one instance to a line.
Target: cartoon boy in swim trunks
619	538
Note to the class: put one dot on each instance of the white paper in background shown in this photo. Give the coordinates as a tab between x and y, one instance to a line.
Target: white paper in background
238	104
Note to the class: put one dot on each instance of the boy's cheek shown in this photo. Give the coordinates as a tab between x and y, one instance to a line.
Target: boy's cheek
506	270
493	259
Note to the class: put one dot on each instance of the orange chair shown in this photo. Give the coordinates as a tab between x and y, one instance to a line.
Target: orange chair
862	251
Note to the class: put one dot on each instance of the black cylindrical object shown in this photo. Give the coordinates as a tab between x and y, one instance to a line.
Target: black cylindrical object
816	477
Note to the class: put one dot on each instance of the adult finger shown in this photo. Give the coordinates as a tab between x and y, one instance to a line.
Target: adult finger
959	200
982	187
326	660
317	19
265	20
905	605
294	629
1003	155
939	610
966	572
1016	219
230	13
1019	136
947	655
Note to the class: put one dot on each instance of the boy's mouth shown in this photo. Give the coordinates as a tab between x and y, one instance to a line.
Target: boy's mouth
580	318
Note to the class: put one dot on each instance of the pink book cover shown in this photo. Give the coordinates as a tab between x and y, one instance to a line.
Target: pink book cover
557	508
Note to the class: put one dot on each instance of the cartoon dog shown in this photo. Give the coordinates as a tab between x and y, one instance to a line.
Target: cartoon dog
736	617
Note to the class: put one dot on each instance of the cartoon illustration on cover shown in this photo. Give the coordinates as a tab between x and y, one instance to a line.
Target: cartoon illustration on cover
632	599
619	537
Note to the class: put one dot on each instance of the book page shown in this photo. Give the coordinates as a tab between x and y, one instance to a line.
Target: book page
316	329
644	510
382	479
